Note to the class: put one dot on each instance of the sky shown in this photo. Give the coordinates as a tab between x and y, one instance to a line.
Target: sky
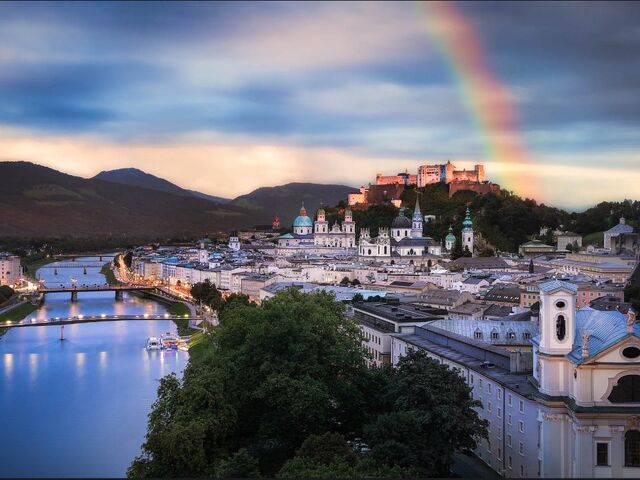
228	97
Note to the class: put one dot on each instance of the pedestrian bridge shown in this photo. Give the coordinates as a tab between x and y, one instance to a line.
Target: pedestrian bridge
61	321
74	265
118	289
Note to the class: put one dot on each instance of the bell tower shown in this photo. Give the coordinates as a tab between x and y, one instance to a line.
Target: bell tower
557	317
416	223
467	232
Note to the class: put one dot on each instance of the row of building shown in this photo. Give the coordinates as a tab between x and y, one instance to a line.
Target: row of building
560	389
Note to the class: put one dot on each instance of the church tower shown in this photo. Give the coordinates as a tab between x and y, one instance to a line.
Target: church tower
416	224
321	227
349	229
234	241
450	240
467	232
556	338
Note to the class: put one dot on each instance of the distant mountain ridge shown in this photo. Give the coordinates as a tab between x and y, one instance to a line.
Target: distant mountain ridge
137	178
38	201
286	200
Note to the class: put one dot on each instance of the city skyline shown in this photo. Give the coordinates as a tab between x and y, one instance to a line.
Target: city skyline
225	98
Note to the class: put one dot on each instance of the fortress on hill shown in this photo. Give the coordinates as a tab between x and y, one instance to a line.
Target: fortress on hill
388	188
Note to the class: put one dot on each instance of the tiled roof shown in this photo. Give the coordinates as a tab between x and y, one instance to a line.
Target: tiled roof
553	285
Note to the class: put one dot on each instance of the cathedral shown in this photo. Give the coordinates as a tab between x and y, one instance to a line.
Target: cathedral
405	239
308	234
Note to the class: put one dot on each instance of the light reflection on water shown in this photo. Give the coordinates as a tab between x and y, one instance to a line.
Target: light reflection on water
79	407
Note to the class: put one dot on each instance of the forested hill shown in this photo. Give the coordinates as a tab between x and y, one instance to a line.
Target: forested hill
505	221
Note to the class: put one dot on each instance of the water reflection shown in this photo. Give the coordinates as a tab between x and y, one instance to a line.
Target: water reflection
79	406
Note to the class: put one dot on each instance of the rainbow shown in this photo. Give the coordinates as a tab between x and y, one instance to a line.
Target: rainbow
484	95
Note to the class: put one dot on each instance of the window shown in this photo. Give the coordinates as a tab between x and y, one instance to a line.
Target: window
499	433
477	334
509	399
509	462
631	352
521	426
561	328
494	335
489	388
521	406
602	454
560	304
511	335
499	394
499	412
499	454
508	440
472	379
489	407
627	390
509	419
521	470
521	448
526	336
632	448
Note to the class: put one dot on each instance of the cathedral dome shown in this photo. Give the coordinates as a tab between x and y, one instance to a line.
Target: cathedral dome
401	221
302	221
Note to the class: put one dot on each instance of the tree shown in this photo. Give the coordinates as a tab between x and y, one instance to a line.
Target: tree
457	251
419	388
345	281
240	465
355	282
357	298
207	294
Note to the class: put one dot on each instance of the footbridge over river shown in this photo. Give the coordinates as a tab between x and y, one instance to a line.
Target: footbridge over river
118	289
62	321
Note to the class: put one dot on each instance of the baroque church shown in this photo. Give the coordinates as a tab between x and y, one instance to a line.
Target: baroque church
405	239
310	234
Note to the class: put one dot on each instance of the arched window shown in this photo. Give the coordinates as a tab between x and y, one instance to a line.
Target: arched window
477	334
494	335
627	390
511	335
526	335
632	448
561	327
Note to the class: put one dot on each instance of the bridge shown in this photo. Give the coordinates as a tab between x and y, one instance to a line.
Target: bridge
74	265
118	289
62	321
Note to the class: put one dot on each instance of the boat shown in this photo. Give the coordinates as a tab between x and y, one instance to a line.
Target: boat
153	343
169	341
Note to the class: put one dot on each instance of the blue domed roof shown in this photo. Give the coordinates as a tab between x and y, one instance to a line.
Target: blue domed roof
302	221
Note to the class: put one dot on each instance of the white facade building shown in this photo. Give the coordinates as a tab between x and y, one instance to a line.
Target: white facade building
10	269
579	416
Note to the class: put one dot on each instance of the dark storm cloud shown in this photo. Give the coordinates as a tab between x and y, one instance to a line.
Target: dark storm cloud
127	69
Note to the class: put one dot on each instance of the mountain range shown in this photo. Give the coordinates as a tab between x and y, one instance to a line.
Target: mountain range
38	201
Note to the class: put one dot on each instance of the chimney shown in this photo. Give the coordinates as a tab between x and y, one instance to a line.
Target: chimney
585	343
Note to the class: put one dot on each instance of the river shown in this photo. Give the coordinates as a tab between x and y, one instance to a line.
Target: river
78	407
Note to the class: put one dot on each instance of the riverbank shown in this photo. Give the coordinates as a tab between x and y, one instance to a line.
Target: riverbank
109	276
179	308
16	314
31	265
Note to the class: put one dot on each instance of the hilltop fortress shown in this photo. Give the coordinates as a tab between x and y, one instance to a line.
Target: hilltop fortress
388	188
